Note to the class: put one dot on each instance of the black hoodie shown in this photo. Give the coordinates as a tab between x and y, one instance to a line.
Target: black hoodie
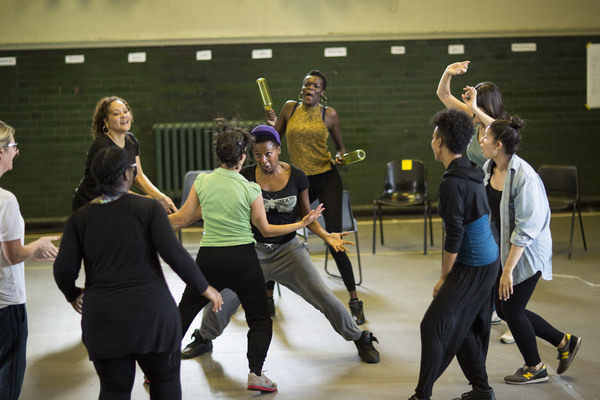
462	200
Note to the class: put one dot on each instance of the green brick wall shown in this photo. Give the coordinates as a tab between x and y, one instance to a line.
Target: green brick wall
384	101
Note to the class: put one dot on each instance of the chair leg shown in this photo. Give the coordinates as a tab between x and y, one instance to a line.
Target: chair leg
572	226
374	226
380	222
360	277
425	231
581	225
430	226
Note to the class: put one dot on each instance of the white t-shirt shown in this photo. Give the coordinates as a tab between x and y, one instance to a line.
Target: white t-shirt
12	227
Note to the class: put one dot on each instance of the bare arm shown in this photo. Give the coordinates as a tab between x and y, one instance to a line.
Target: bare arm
506	280
443	90
190	212
148	188
332	121
332	239
280	123
40	250
259	219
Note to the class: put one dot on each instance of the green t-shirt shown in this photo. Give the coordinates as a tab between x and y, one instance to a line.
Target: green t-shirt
225	197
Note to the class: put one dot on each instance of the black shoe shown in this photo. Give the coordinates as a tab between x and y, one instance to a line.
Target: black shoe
478	394
356	309
366	350
271	306
197	347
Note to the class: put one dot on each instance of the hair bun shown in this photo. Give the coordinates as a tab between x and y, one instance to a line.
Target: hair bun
516	122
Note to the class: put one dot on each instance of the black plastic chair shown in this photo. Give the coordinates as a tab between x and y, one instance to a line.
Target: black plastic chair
348	225
405	187
562	189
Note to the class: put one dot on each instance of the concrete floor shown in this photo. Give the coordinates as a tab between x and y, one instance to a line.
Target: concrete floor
308	360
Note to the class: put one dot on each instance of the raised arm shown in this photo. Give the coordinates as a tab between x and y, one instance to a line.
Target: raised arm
280	123
443	90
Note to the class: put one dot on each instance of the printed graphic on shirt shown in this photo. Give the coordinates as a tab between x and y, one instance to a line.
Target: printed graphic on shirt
281	205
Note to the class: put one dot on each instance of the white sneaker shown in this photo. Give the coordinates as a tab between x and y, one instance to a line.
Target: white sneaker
507	338
495	318
261	383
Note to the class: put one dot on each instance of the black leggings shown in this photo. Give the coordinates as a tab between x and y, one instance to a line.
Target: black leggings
524	324
236	268
327	187
162	369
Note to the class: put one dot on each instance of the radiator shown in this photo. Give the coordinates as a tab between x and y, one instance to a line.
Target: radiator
182	147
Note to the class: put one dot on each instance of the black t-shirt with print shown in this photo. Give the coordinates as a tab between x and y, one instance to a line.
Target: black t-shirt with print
281	206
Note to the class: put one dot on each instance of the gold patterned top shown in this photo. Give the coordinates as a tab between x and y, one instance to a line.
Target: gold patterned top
307	140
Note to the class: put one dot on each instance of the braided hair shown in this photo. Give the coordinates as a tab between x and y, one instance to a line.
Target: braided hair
108	166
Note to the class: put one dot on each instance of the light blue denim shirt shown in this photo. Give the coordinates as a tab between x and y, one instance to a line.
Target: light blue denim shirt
524	219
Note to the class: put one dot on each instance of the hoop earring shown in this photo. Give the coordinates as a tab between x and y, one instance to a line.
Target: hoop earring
300	96
323	100
105	129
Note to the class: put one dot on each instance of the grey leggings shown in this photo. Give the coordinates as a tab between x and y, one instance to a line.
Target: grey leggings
290	265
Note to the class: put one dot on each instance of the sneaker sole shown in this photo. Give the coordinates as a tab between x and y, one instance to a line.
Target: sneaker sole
538	380
574	353
261	389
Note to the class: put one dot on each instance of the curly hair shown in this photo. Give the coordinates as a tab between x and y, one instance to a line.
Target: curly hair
316	72
108	166
231	140
455	128
508	132
101	112
6	131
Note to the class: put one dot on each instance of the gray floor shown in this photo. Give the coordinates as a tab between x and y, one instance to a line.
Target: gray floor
308	360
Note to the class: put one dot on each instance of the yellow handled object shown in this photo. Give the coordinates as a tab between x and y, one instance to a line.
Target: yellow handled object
264	93
353	157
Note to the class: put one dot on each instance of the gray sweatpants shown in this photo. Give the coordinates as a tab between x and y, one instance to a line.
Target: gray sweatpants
291	266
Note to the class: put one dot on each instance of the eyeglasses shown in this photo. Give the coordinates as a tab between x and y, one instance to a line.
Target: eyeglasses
15	145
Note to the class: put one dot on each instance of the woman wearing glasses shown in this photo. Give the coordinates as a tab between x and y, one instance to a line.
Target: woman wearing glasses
110	127
128	315
13	254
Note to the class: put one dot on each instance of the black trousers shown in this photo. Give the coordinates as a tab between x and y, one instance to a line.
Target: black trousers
457	323
328	188
162	369
236	268
524	324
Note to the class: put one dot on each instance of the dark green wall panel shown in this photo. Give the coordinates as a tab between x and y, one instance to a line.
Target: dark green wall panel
384	101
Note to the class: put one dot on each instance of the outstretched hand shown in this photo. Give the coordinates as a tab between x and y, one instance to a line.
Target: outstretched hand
336	242
312	215
458	68
46	251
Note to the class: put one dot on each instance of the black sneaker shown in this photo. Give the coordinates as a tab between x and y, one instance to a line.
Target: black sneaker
527	375
366	350
356	309
478	394
197	346
567	353
271	306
